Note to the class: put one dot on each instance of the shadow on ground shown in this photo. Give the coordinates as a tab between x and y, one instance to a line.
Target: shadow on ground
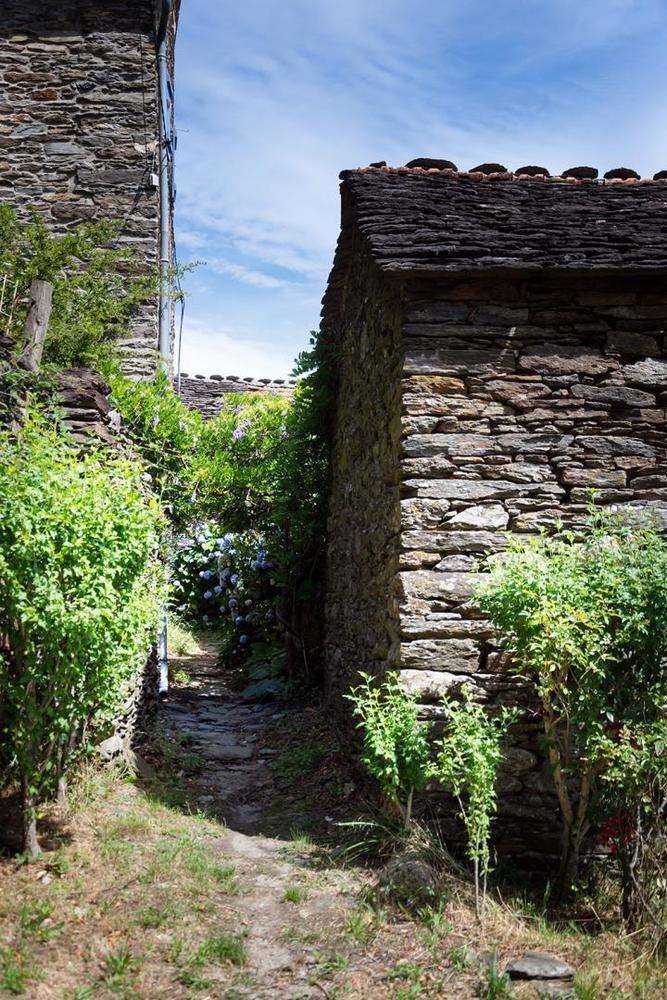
262	768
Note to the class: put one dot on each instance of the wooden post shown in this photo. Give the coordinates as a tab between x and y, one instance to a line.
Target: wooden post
36	325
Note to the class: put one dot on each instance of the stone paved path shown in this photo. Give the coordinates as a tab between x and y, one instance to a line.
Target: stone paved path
236	784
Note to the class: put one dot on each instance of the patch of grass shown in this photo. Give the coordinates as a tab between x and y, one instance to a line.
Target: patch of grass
153	917
460	957
298	760
295	894
223	949
335	961
362	925
170	793
119	853
80	993
130	825
495	985
407	970
301	839
205	870
295	935
15	972
410	992
181	640
190	761
193	978
435	926
586	986
117	966
35	921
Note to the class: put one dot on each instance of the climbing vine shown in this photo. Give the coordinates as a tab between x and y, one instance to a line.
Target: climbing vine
96	286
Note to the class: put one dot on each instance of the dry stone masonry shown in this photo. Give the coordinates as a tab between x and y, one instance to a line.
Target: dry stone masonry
207	394
79	125
501	351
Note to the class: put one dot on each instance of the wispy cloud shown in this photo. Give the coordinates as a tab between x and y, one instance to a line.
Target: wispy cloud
274	99
248	276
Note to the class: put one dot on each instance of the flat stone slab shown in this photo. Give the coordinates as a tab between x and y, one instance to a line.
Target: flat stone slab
229	753
538	965
561	988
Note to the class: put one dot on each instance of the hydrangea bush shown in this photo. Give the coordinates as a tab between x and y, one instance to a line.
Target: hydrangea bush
258	471
225	581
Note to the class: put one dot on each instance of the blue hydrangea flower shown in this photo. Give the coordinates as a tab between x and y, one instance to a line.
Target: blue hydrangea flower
204	618
244	640
223	609
217	588
234	579
208	595
233	602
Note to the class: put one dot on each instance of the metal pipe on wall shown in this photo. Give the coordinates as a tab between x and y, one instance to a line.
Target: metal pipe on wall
164	317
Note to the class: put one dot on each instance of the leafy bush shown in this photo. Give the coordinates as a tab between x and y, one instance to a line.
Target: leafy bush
78	599
633	802
467	764
586	617
166	434
256	472
223	581
95	286
396	749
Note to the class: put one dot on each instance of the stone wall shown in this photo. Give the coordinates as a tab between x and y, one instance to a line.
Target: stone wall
208	394
519	395
79	125
527	316
362	559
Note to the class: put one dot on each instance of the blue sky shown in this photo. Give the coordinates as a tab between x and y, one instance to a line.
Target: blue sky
275	98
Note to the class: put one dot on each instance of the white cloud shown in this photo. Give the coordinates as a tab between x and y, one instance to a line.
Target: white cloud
275	99
214	350
245	274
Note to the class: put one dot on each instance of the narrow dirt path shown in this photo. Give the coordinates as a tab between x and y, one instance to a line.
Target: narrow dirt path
214	878
287	905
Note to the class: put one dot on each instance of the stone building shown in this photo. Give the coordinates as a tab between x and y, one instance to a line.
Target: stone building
79	124
207	394
501	350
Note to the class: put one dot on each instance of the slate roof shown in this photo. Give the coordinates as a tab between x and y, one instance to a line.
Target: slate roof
418	220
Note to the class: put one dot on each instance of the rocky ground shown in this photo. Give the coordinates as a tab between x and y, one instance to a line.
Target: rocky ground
219	874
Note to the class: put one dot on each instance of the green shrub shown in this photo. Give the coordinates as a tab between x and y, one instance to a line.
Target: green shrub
467	764
256	475
396	749
95	286
166	434
78	598
586	617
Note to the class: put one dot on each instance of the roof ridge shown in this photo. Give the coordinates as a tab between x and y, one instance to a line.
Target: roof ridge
660	178
242	379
